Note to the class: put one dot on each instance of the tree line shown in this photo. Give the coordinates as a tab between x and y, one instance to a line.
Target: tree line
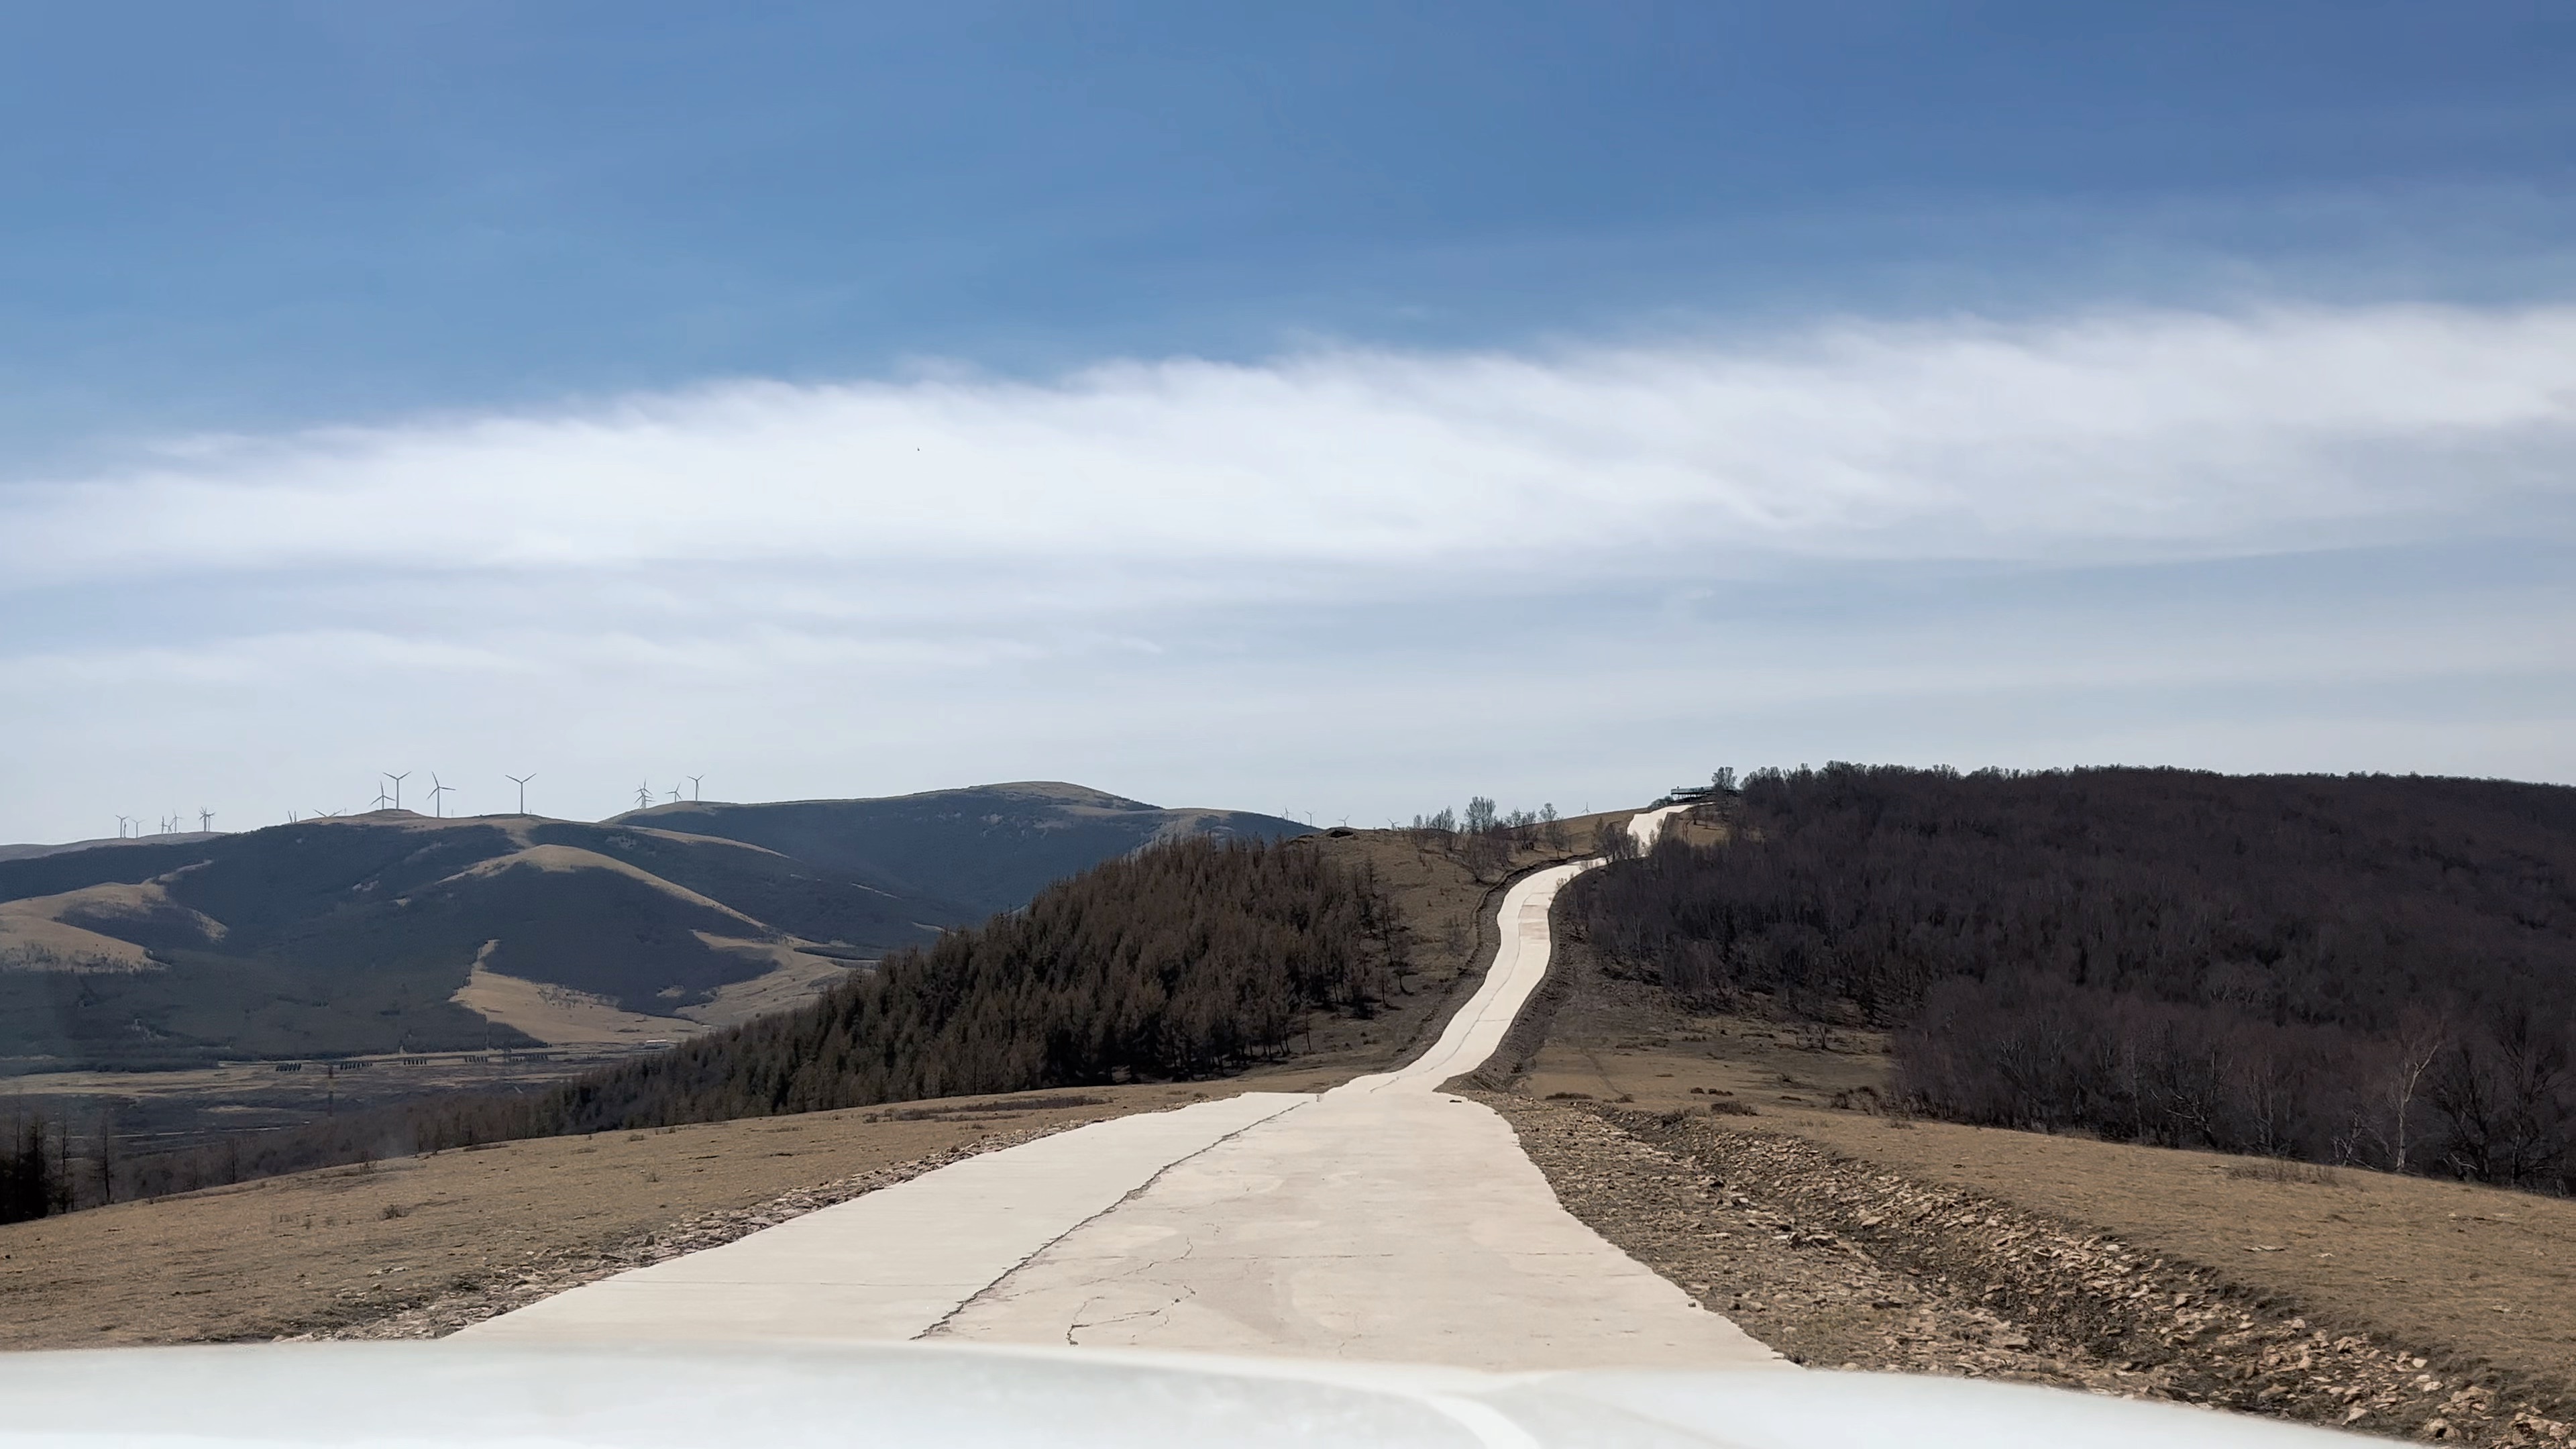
35	1169
1187	959
1485	837
2368	969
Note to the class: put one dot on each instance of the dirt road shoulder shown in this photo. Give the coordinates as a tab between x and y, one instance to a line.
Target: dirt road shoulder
1842	1263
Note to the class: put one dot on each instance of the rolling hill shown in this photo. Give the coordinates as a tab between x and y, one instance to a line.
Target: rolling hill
991	848
392	932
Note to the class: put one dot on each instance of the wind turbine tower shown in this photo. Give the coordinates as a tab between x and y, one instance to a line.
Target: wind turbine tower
522	782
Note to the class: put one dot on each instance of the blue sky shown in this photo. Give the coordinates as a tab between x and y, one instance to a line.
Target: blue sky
1793	381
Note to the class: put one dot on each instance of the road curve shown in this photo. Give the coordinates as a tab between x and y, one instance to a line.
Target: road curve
1382	1221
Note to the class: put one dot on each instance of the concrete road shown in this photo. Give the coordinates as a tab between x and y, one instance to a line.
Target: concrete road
1382	1221
894	1263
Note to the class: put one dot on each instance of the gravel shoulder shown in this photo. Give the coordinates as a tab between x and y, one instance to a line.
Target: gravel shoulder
1842	1263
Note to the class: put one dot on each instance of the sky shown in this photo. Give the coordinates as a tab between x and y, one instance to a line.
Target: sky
1334	409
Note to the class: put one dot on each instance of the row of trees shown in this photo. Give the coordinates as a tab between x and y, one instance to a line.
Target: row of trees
1184	960
2360	969
35	1170
2490	1098
1486	839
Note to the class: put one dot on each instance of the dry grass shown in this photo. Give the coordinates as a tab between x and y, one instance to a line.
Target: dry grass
314	1249
2475	1270
559	1015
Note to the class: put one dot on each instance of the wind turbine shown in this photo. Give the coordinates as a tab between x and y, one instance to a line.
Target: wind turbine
693	788
644	796
675	794
121	822
205	819
522	782
398	779
437	796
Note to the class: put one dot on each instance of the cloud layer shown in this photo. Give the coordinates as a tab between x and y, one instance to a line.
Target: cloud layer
2107	436
971	577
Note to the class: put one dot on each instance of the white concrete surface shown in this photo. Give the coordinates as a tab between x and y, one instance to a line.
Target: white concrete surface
892	1263
1385	1221
1392	1225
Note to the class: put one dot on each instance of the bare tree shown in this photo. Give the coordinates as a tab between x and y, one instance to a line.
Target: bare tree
106	1154
2505	1092
2421	1036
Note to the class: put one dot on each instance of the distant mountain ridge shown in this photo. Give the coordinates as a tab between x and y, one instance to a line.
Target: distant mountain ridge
31	852
392	932
991	847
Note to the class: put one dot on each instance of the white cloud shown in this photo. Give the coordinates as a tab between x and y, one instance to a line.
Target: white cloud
2106	436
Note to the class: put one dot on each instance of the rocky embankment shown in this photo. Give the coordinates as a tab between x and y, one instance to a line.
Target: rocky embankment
1838	1263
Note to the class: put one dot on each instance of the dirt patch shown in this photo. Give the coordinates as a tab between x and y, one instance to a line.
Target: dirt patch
336	1251
563	1017
1843	1263
33	939
792	979
559	1015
